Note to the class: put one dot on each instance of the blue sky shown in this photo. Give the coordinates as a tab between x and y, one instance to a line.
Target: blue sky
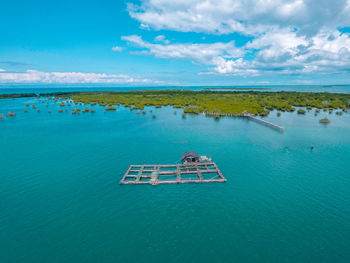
178	42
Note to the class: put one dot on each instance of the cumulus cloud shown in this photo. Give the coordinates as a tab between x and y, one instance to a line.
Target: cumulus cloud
161	38
279	51
202	53
244	16
34	76
288	53
234	67
2	70
328	51
288	36
117	49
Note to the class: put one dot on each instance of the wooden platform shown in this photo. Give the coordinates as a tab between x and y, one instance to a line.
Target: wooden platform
173	174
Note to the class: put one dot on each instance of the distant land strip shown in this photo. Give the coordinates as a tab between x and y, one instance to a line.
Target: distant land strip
234	88
13	96
208	102
213	102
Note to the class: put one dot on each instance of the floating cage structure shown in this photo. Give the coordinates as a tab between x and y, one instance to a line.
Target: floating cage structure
197	172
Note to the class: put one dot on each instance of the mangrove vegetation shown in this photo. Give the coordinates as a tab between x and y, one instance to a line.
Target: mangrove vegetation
325	121
212	102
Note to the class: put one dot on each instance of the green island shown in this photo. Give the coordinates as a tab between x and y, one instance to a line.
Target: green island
212	102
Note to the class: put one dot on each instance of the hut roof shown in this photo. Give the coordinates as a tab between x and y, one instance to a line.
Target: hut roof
189	154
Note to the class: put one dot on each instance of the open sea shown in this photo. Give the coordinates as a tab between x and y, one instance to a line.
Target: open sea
60	198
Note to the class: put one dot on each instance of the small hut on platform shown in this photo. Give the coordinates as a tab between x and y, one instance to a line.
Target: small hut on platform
190	157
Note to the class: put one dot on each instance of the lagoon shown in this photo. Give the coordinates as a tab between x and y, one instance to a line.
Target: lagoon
61	199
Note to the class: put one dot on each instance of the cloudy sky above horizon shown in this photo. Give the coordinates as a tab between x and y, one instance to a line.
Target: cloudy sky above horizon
175	42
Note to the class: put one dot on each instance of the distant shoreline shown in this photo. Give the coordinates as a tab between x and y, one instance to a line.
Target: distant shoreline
235	88
211	103
214	102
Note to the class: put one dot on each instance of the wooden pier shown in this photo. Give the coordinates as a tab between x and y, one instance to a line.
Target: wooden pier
247	115
173	174
267	123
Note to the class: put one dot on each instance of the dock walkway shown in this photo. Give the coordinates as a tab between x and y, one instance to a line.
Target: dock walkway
264	122
247	115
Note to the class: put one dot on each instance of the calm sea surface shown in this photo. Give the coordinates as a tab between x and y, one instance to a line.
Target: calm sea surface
60	198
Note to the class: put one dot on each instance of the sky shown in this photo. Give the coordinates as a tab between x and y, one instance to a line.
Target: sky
175	42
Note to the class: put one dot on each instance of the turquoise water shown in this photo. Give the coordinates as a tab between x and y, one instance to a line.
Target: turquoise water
60	198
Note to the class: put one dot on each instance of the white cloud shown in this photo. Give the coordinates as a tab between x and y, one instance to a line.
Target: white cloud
2	70
279	51
117	49
289	36
234	67
244	16
202	53
34	76
328	51
161	38
287	53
